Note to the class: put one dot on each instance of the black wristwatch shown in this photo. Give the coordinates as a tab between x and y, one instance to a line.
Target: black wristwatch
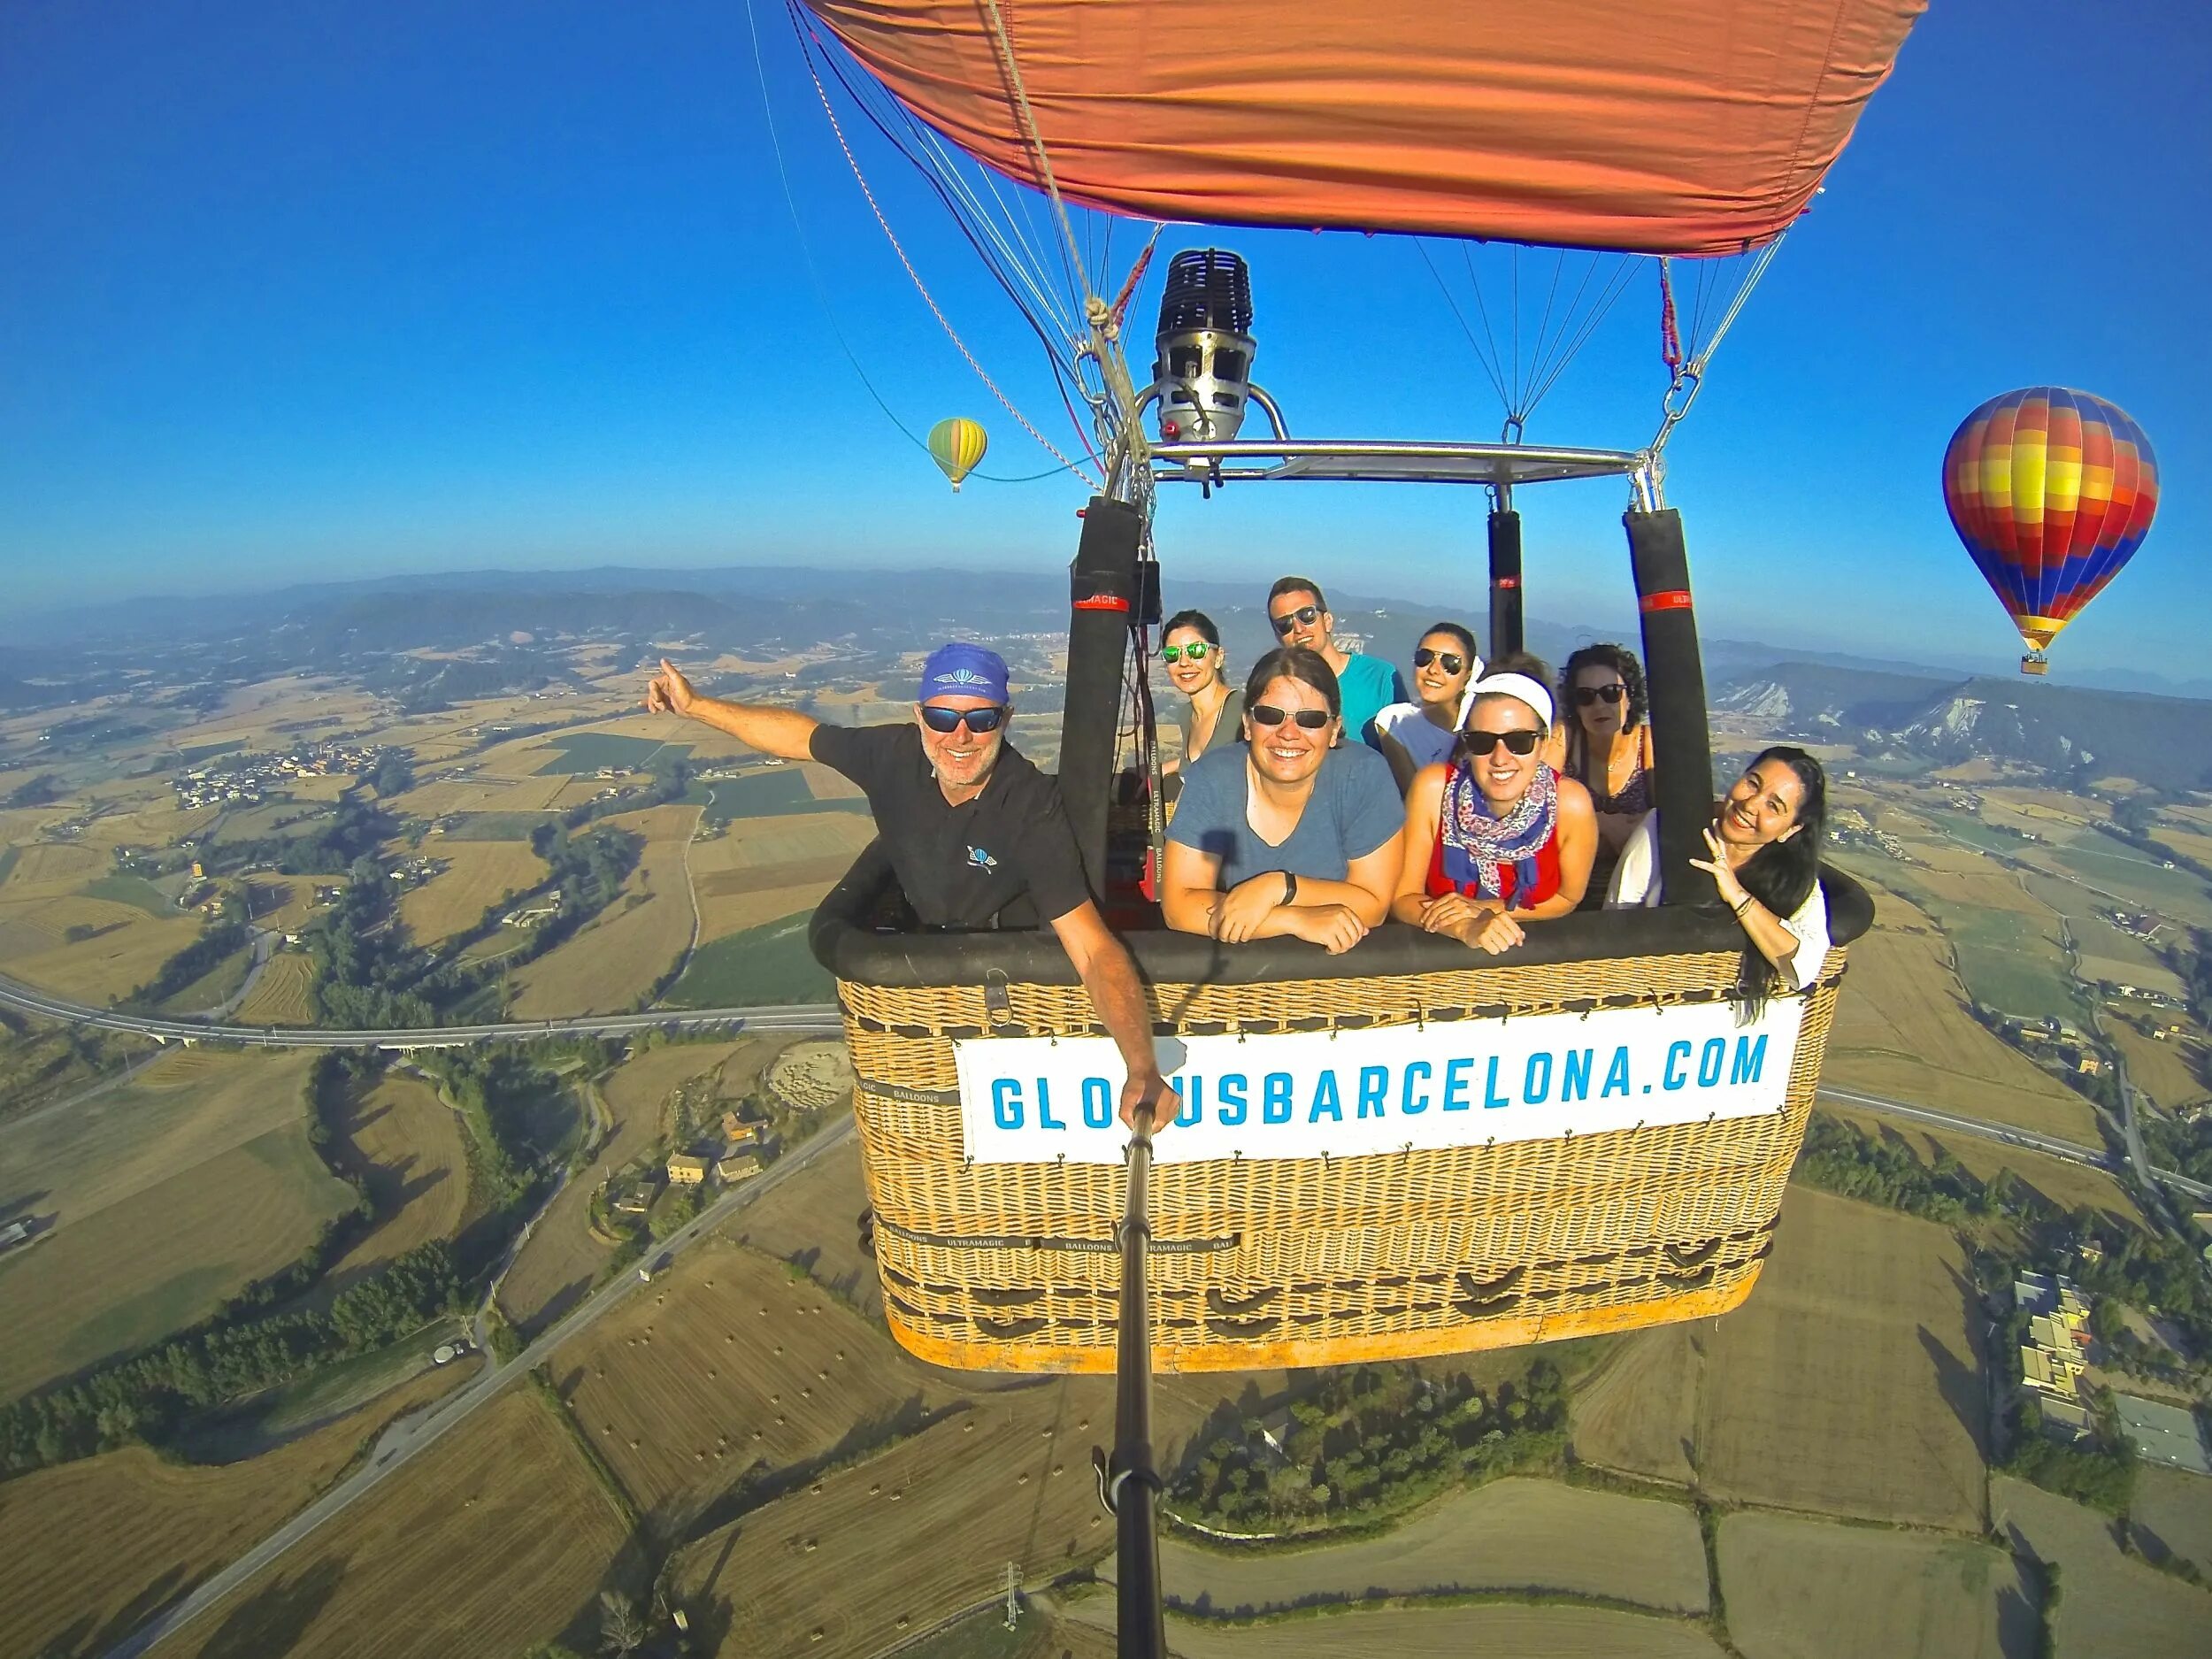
1290	888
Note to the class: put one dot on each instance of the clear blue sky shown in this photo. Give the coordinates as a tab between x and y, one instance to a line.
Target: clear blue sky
319	290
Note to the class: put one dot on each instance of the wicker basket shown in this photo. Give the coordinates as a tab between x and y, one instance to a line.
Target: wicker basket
1307	1262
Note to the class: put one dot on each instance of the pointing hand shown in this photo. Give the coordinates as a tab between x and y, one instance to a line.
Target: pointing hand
668	692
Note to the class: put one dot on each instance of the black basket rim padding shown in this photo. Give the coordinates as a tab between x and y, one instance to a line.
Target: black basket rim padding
845	940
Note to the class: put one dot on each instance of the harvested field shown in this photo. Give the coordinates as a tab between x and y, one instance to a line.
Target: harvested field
2158	1066
284	994
813	1218
1444	1632
1804	1589
1902	1031
562	1261
768	964
1508	1535
480	874
207	1154
751	843
90	1549
126	949
615	959
2172	1515
1851	1381
496	1544
1638	1413
416	1159
2111	1604
282	904
1009	1478
684	1391
213	989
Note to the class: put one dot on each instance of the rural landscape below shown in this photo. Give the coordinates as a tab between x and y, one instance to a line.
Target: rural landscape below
433	1221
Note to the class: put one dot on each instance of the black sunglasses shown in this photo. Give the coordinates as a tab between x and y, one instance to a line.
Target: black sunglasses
1195	651
1268	714
1516	742
947	721
1584	695
1305	616
1452	662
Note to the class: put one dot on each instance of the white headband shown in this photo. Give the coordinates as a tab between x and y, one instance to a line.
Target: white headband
1521	688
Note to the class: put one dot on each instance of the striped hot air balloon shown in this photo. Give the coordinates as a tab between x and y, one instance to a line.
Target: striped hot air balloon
958	444
2052	491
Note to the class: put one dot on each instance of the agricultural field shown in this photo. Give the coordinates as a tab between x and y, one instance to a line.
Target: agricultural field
90	1549
1904	1032
1851	1381
118	946
1637	1412
284	994
576	752
416	1158
498	1542
762	869
2064	1183
614	960
281	903
1442	1633
2160	1066
490	826
562	1261
213	990
1508	1535
2111	1604
2172	1515
731	1363
813	1218
480	874
2120	869
768	964
832	1569
1804	1589
165	1196
2094	937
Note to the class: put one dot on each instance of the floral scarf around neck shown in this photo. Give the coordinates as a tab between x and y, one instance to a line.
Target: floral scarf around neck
1476	844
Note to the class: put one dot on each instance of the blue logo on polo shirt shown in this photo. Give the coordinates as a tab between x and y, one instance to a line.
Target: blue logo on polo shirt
978	859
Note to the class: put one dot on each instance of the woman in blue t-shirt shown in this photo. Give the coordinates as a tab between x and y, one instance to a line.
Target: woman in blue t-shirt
1292	831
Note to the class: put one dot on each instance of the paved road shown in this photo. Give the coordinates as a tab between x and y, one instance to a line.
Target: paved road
799	1016
408	1440
2073	1151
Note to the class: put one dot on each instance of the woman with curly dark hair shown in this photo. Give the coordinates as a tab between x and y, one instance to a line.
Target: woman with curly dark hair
1603	743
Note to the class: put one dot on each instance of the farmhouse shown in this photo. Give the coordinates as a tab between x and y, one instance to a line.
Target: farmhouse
633	1201
731	1171
686	1170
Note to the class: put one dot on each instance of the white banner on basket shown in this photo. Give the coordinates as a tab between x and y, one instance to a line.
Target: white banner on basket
1537	1077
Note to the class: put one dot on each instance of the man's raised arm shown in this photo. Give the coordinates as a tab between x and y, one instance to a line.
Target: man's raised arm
784	733
1117	997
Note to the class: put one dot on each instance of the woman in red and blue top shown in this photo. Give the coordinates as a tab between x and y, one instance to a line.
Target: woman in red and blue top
1494	836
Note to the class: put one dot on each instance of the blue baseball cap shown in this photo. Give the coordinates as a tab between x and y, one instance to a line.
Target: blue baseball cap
964	671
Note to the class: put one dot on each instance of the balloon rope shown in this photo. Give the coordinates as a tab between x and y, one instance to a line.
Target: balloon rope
921	287
1028	118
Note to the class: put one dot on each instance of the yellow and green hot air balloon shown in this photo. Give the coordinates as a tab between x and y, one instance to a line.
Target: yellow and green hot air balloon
958	444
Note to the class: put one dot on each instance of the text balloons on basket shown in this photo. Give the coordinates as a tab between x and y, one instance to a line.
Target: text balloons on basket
2052	491
958	444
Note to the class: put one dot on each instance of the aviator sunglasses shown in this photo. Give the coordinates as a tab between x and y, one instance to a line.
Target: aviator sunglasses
947	721
1304	617
1584	695
1195	651
1452	662
1480	744
1268	714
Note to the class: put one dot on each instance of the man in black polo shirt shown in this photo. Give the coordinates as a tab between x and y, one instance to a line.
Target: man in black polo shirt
976	834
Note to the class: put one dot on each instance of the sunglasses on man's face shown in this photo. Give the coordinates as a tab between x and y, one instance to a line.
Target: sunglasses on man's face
1584	695
1268	714
947	721
1304	617
1195	652
1452	662
1480	744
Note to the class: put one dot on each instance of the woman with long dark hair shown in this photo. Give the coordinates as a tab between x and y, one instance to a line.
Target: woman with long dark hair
1421	731
1603	743
1765	841
1190	649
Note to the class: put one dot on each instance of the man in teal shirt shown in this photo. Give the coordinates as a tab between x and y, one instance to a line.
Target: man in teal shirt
1368	684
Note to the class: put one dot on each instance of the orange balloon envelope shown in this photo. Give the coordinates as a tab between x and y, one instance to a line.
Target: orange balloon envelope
1681	127
2052	491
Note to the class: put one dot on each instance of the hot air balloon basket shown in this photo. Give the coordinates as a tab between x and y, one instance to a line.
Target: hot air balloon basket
1294	1260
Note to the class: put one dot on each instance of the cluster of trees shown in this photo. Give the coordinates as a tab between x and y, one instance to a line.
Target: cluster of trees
196	960
497	1089
1365	1437
589	870
2099	1472
365	971
672	781
2184	1147
1841	1157
392	774
2152	1270
354	832
231	1356
41	790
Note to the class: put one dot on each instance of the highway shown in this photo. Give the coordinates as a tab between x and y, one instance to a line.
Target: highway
409	1439
795	1017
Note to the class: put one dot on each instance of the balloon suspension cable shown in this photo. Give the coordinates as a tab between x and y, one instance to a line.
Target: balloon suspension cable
921	287
1686	365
